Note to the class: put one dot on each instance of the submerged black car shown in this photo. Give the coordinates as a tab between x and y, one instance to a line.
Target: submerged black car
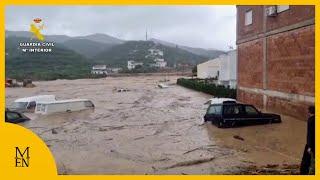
232	114
15	117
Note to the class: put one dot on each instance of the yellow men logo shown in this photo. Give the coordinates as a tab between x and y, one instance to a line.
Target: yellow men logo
35	29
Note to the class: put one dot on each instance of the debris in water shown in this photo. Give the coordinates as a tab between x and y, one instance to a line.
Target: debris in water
54	131
110	128
138	138
164	80
102	129
162	86
190	163
208	147
238	137
272	165
271	170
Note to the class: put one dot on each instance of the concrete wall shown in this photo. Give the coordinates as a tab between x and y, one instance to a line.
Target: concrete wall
276	59
228	68
224	67
209	69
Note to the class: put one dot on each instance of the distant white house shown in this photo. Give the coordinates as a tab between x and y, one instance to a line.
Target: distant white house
114	70
155	52
99	69
224	68
159	62
132	64
157	56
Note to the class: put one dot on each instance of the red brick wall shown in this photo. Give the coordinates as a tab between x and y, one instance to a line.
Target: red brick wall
255	28
250	57
291	108
294	15
290	61
250	98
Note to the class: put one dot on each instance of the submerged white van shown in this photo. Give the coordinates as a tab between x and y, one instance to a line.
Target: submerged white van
28	104
69	105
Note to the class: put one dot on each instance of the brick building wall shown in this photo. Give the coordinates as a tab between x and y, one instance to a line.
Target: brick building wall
276	59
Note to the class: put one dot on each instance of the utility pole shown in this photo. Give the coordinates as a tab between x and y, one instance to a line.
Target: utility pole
146	34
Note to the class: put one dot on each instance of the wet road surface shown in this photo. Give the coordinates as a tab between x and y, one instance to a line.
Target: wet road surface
149	130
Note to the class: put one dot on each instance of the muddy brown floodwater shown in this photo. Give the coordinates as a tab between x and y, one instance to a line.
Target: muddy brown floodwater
149	130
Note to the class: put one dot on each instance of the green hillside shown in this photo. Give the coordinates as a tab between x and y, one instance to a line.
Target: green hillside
62	63
137	50
65	63
86	47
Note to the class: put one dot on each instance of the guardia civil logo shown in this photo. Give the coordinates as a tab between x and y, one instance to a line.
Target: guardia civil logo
37	43
36	27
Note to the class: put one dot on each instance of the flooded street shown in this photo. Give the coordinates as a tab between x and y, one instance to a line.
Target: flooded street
149	130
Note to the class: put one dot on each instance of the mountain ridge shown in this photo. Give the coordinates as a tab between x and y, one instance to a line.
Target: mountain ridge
109	41
210	53
98	37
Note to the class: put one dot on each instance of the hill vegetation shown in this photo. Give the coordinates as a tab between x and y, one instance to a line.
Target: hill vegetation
62	63
73	57
138	50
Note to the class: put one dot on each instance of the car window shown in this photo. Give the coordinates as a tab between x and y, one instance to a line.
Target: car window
251	110
232	109
43	107
32	105
39	107
88	104
214	110
13	115
19	105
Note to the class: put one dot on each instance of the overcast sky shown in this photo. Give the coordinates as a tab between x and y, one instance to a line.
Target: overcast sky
197	26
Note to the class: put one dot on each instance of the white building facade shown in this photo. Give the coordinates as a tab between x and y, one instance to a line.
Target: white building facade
159	62
223	68
132	64
228	69
155	52
157	56
99	69
209	69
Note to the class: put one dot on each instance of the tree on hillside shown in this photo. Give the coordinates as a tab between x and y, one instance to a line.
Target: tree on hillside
194	71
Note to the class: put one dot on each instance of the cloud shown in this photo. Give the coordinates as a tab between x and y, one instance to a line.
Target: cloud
196	26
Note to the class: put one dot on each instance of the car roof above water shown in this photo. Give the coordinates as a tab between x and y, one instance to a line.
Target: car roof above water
222	100
37	98
231	104
63	101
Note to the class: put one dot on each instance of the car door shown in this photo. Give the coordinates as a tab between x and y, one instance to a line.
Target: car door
232	113
213	113
252	115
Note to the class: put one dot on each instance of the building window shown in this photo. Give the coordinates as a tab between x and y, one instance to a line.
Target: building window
281	8
248	18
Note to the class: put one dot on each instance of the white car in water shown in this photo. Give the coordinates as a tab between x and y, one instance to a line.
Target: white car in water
28	104
68	105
